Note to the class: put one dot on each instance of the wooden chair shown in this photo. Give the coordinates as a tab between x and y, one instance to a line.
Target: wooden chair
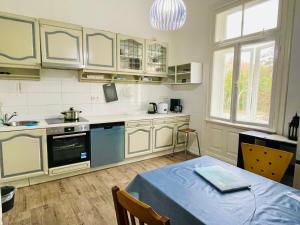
126	204
268	162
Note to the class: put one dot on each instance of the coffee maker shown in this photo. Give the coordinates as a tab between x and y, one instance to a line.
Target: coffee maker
175	105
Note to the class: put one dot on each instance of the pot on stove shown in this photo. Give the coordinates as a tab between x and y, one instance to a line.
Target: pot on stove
71	114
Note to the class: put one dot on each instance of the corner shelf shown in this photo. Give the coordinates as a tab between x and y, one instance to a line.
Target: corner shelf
189	73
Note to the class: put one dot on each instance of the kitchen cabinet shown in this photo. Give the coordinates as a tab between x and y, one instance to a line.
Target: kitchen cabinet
19	41
61	45
131	53
99	49
23	154
138	138
156	58
163	137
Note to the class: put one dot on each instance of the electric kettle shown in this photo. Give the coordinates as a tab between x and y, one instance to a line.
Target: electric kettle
152	108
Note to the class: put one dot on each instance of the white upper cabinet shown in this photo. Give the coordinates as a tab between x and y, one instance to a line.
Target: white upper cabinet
61	45
131	54
156	57
99	49
19	40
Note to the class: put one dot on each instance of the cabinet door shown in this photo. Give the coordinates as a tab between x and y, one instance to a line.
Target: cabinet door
163	137
61	47
131	53
181	136
23	154
99	49
138	141
156	57
19	40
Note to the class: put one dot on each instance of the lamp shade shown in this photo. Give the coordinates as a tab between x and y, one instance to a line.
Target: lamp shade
167	14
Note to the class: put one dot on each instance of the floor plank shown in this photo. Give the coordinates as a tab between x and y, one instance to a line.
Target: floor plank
79	200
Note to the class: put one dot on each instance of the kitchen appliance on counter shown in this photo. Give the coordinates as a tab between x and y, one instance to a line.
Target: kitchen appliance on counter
68	145
71	114
162	108
175	105
107	143
152	108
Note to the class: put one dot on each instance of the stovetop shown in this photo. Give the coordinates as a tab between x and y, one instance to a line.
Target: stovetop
62	120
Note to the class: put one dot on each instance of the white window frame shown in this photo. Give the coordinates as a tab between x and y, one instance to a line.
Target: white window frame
281	35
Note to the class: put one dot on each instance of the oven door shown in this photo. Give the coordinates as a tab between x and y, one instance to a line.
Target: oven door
68	149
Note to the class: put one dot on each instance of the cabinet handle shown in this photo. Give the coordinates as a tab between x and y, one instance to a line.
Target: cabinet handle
70	135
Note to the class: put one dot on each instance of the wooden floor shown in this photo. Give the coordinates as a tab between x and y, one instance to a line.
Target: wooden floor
83	199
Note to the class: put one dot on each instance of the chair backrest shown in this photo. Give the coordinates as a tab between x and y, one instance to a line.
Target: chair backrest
129	210
268	162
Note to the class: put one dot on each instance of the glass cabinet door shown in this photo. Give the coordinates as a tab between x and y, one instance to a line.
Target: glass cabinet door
131	54
157	57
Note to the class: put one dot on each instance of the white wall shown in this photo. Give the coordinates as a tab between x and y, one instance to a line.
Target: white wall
193	44
60	89
293	100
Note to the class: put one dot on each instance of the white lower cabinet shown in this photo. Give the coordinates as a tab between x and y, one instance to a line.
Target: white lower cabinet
163	137
148	136
23	154
138	141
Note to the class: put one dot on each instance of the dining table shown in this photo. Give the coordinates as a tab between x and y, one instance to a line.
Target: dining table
177	192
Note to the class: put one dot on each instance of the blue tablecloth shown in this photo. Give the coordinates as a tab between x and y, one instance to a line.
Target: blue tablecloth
178	192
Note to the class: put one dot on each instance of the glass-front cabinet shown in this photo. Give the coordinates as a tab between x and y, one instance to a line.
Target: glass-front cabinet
131	53
157	57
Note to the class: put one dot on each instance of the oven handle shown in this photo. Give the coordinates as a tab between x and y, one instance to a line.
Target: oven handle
70	135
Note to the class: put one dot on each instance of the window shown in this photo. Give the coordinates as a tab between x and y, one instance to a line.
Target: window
228	24
222	83
255	82
251	17
243	62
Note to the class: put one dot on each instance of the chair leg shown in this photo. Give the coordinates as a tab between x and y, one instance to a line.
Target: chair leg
198	143
186	144
176	139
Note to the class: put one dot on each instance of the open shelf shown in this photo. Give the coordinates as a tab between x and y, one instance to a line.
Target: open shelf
7	73
189	73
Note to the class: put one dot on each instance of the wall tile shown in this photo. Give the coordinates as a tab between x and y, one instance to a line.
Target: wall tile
76	98
12	99
43	99
9	86
40	87
75	87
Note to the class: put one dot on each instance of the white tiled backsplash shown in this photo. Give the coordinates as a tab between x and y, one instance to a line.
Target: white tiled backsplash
59	90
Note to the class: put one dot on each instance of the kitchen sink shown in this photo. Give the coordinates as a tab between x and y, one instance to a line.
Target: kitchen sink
28	123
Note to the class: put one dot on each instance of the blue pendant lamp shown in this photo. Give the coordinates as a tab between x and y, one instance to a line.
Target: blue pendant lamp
167	14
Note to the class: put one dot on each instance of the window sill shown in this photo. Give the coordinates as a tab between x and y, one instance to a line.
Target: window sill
241	126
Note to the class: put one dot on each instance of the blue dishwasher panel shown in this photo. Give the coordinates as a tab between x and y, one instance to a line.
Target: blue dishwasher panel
107	144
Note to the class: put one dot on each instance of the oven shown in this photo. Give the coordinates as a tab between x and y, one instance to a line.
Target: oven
68	145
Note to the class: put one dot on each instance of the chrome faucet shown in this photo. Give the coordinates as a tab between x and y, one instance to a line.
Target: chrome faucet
7	118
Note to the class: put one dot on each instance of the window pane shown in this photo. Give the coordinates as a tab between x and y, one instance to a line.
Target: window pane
255	82
228	24
260	15
222	83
